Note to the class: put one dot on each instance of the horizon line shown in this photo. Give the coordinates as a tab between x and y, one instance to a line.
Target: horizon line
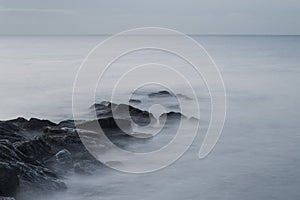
189	34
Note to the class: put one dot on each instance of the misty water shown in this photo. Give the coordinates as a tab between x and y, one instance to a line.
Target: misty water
257	156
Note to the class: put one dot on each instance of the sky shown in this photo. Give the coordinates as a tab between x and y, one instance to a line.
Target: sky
18	17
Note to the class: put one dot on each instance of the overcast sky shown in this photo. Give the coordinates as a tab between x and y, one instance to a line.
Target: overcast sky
188	16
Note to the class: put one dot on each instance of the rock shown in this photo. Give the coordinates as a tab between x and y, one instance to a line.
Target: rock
113	163
183	96
21	167
36	149
135	101
34	152
171	116
194	119
140	117
67	123
64	157
8	153
7	198
20	121
162	93
37	124
106	123
11	132
9	181
103	109
78	169
38	178
107	112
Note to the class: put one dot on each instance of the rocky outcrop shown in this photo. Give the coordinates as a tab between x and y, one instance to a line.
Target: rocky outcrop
24	170
36	154
162	93
135	101
25	163
107	112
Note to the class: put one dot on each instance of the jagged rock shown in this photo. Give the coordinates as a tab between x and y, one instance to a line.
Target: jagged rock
36	149
107	112
38	178
7	152
20	121
10	132
21	165
37	124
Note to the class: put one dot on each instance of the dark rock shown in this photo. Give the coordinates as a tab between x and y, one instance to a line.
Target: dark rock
33	164
78	169
64	157
135	101
67	139
9	181
8	153
107	112
67	123
37	124
39	178
36	149
162	93
7	198
20	121
171	116
10	132
105	123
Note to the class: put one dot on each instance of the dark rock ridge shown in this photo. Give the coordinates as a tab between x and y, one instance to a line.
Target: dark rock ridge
135	101
110	111
162	93
36	154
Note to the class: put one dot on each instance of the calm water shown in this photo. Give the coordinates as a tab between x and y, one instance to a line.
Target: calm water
257	156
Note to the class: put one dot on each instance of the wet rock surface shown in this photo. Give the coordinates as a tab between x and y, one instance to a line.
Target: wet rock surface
37	164
36	155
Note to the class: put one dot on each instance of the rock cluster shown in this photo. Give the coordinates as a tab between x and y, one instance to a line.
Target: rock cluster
36	154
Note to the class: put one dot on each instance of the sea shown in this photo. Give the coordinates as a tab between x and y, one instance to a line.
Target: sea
257	155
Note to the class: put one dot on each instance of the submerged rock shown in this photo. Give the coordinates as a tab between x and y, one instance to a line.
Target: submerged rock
79	169
183	96
135	101
172	115
162	93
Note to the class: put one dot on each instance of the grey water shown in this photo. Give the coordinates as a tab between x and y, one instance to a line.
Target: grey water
257	156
